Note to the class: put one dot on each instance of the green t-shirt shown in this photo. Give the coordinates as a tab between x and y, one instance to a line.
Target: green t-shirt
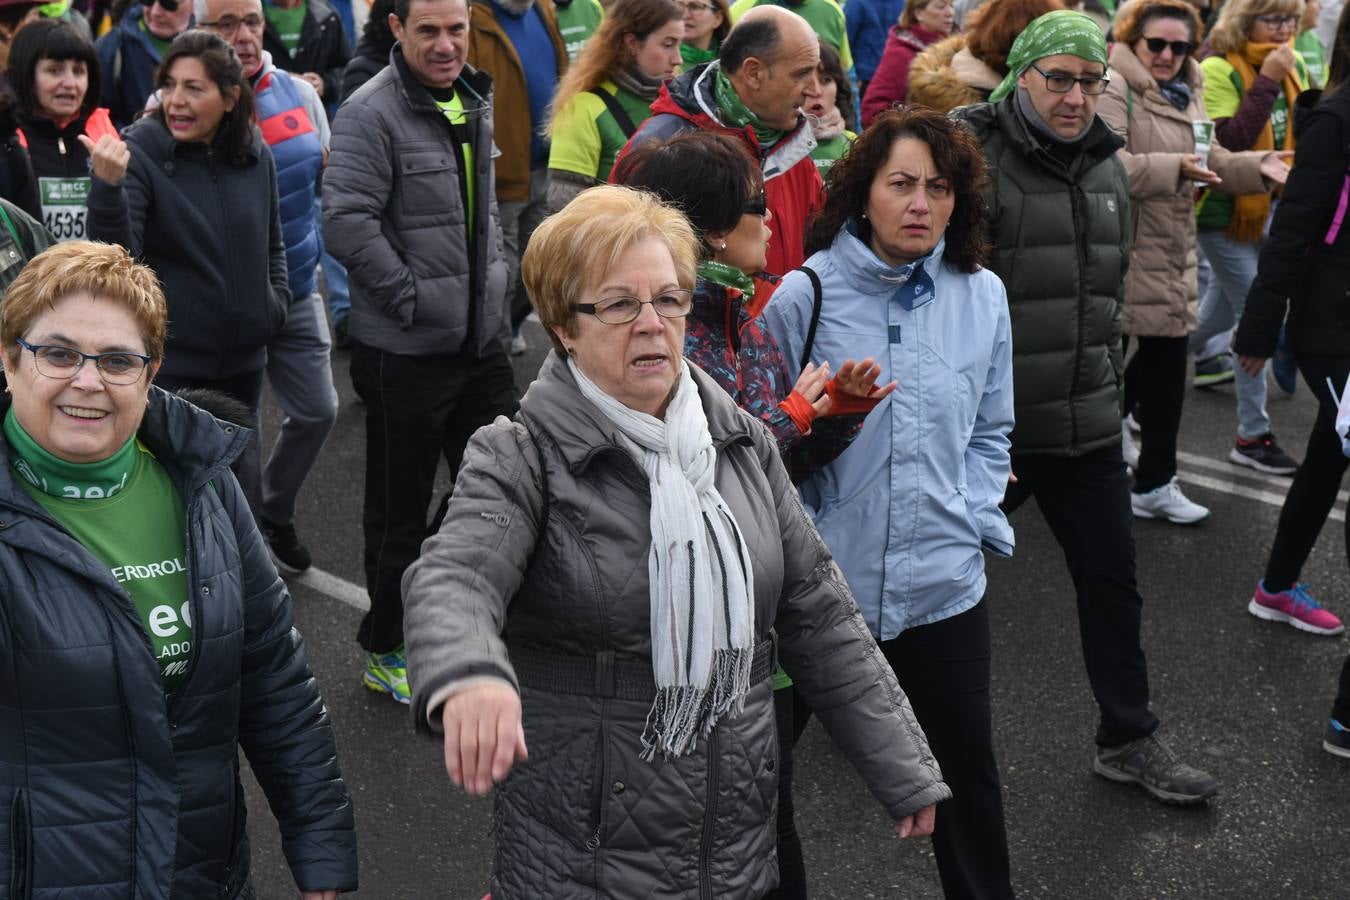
454	114
825	16
577	21
1223	96
160	44
126	512
827	152
288	23
586	139
1309	46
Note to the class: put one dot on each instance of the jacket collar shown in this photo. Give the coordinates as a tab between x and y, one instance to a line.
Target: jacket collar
582	432
416	95
868	274
1100	144
149	132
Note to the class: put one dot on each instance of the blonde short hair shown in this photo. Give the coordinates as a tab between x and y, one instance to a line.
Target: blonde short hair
578	245
104	271
1230	31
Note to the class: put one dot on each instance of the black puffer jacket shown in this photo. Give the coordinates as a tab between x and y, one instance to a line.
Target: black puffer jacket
1299	271
106	791
211	230
323	49
537	571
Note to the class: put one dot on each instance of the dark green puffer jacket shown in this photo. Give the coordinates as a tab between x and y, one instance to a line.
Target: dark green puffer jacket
1061	241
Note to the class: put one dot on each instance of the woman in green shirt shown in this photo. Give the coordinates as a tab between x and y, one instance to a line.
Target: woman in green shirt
608	93
706	23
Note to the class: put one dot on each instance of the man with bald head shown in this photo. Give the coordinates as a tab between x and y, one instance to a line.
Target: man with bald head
754	91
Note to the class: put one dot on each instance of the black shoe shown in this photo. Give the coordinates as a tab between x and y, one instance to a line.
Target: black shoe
1152	765
341	340
290	556
1263	455
1337	739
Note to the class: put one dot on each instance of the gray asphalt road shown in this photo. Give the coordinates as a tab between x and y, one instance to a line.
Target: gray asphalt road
1243	698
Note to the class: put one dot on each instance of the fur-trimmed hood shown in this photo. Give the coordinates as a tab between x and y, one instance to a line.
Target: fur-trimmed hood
947	75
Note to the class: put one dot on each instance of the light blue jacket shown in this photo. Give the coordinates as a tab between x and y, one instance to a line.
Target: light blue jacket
906	508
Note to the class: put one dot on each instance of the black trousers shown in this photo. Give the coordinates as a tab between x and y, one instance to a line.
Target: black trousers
1313	491
419	409
1086	503
1155	389
245	389
944	670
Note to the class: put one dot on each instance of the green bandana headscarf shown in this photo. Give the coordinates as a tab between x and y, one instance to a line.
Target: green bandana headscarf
1063	31
737	113
693	56
726	276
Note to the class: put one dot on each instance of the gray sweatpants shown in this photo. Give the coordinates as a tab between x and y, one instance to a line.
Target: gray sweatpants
299	371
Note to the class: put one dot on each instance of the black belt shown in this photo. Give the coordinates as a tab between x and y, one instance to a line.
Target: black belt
604	676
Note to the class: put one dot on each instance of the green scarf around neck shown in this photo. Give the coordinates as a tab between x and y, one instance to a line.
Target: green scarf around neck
726	276
736	113
693	56
57	477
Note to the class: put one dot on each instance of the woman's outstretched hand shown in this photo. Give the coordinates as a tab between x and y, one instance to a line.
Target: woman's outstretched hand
811	385
919	824
860	379
484	736
109	158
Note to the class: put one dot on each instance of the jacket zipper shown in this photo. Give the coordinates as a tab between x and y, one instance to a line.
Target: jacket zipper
1076	200
20	838
709	819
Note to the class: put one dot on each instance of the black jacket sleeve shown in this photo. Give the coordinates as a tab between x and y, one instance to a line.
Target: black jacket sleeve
1301	221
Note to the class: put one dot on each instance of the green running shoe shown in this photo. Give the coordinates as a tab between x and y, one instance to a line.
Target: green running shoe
388	674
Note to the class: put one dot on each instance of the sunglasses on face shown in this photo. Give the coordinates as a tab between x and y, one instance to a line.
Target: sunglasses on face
756	205
1179	48
169	6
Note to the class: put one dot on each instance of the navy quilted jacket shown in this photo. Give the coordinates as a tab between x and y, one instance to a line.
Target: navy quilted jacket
106	789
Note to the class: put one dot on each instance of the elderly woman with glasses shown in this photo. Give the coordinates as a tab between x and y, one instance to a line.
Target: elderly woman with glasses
146	634
616	573
1155	97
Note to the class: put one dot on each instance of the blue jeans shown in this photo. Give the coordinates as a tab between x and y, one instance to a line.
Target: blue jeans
334	275
1234	266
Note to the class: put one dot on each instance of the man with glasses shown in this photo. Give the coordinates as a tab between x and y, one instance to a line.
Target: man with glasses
410	210
292	120
1060	217
129	55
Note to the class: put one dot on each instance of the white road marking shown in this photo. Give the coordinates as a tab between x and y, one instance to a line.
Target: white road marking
340	589
1226	486
1222	465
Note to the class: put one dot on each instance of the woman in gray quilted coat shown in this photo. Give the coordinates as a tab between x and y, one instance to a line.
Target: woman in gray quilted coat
594	625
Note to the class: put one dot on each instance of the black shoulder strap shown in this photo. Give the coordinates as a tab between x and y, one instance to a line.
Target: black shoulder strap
612	104
815	314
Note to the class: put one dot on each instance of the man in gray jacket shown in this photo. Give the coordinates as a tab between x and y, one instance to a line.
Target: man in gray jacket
410	210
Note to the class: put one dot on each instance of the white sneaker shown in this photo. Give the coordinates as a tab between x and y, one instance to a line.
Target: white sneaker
1133	424
1128	448
1168	502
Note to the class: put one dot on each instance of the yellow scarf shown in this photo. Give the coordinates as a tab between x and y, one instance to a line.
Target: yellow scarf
1250	211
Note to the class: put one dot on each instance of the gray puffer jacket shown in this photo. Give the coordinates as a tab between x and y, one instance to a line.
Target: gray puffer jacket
107	790
424	280
540	570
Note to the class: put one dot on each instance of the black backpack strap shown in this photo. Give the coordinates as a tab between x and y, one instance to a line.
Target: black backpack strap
612	104
817	296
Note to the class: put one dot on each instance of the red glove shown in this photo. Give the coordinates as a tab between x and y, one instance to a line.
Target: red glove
845	404
800	411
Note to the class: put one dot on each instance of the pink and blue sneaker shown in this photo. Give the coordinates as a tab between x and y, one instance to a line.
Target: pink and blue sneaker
1296	607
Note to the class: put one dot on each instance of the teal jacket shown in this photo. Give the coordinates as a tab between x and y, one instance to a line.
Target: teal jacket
1061	237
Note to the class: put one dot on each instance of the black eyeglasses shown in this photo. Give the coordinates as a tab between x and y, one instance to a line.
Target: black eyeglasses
696	7
672	304
228	25
1060	83
64	363
756	205
1179	48
1276	21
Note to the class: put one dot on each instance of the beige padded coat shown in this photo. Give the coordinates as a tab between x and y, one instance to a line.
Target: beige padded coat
1160	285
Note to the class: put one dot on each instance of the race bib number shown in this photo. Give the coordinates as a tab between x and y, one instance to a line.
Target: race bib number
63	206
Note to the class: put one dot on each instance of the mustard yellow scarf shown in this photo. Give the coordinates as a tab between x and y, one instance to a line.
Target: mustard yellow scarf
1250	211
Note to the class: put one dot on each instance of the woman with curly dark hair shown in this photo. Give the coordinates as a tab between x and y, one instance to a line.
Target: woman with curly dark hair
908	509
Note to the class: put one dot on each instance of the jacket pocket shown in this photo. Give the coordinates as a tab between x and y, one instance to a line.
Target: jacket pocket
20	847
600	797
428	181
